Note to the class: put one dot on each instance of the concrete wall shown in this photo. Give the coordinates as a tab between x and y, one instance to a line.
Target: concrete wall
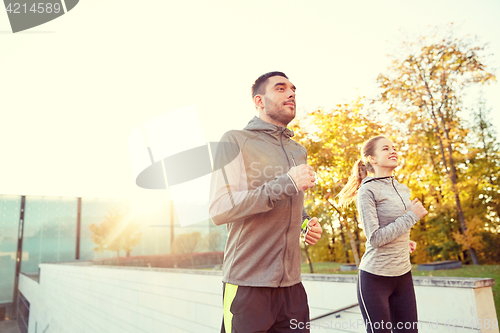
457	302
94	299
82	298
329	293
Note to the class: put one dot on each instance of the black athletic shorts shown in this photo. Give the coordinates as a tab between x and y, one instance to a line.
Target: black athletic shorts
264	309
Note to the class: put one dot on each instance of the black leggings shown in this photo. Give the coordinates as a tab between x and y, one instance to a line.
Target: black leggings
387	302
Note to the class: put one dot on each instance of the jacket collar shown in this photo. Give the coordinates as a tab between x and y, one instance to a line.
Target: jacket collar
276	132
387	179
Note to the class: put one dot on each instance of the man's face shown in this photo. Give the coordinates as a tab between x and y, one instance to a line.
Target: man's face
279	100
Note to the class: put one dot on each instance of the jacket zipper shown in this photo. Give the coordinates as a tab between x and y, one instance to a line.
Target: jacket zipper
392	181
290	221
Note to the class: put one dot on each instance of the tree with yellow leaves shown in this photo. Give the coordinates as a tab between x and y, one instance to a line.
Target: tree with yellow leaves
115	233
423	91
333	139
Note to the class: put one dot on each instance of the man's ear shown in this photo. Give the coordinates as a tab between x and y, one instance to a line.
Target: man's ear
258	100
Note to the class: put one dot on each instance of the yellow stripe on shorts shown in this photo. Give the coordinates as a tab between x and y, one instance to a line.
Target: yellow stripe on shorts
229	294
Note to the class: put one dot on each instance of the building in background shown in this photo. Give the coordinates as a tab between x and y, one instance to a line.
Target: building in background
53	226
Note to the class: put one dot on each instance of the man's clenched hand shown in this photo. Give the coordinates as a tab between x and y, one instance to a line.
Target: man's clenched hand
303	176
314	234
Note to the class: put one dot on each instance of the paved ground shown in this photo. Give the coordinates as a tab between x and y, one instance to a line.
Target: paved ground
9	326
351	321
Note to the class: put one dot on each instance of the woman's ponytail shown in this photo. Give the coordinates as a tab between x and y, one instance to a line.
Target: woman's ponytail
348	193
359	172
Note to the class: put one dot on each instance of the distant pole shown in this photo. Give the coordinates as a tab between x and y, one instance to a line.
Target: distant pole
19	254
78	228
171	225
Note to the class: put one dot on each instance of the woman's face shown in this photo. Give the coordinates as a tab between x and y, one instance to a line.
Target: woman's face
385	155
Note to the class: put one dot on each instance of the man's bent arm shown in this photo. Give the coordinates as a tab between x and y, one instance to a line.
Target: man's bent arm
230	197
228	204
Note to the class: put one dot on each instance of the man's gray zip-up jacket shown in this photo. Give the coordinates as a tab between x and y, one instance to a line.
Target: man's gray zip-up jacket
254	196
382	205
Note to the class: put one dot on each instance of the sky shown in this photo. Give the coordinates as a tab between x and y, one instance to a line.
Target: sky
74	89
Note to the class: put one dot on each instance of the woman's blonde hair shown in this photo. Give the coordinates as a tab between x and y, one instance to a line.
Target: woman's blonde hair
359	172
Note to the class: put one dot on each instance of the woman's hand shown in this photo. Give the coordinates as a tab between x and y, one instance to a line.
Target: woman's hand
413	246
417	207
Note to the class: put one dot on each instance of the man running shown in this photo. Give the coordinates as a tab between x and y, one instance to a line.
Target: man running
258	192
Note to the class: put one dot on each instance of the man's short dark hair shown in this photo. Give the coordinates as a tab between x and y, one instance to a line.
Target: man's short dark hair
259	86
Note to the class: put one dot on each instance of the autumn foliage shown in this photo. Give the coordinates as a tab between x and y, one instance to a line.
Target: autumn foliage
115	233
450	162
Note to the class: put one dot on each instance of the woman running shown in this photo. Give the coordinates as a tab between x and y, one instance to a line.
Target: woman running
385	287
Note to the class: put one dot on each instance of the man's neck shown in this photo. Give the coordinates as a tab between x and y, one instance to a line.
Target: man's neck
270	120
